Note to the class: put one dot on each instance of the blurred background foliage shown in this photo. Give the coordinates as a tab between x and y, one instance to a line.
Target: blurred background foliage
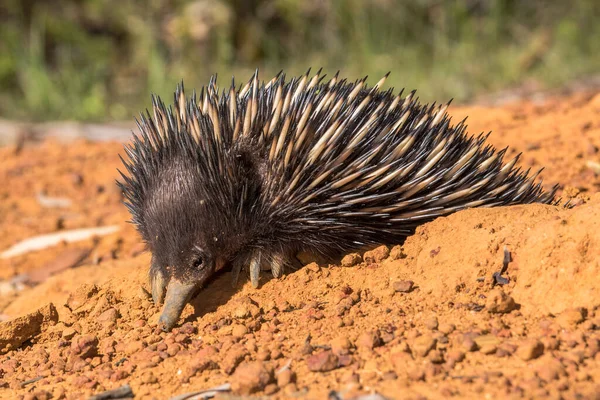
101	59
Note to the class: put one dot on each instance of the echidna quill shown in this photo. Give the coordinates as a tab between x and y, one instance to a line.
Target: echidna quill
250	176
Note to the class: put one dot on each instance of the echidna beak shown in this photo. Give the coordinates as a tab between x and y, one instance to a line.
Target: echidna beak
178	295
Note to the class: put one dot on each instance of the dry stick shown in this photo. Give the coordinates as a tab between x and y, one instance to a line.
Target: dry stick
30	381
118	393
204	394
497	278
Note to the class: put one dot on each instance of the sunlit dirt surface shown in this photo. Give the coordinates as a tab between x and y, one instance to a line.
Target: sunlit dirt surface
349	329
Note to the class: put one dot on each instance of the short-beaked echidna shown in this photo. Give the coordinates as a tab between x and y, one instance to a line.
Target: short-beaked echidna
250	176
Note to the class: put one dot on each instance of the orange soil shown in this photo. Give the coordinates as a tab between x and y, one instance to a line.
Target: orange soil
348	329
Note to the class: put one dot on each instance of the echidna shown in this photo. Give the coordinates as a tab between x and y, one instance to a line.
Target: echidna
250	176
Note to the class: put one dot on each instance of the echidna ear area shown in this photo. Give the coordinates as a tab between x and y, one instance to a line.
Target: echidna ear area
339	155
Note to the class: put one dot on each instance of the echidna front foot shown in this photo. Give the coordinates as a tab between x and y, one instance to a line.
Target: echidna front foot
258	262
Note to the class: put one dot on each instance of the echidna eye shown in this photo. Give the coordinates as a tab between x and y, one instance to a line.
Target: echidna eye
197	263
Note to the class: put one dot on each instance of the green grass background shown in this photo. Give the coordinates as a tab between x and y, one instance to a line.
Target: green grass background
101	59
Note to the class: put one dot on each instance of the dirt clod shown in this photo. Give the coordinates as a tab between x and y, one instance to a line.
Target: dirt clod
351	260
250	378
323	361
377	255
530	350
499	302
403	286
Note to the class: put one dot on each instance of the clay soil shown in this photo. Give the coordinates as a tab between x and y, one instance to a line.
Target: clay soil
419	320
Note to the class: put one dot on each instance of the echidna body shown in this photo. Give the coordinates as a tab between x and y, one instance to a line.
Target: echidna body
248	177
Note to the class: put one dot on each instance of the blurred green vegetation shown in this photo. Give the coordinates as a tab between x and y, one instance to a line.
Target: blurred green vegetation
100	59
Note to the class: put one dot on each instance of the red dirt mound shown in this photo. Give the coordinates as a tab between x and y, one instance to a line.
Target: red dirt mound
421	320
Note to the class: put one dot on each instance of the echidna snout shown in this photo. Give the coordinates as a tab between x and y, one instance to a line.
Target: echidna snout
247	177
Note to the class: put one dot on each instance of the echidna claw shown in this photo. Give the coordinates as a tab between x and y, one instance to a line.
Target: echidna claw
277	265
235	272
158	283
295	263
255	270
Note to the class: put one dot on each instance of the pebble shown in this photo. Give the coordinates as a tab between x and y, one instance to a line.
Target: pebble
232	359
431	323
369	340
351	260
403	286
68	333
109	316
284	377
251	378
436	357
322	362
455	356
84	346
341	345
396	253
550	369
271	389
423	345
135	347
238	330
377	255
469	344
571	317
530	349
195	366
499	302
173	349
148	377
446	329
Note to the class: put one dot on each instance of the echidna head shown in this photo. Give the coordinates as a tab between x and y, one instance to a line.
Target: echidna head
179	223
185	212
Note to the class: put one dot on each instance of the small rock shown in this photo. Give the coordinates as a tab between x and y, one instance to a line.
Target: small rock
446	329
469	344
377	255
135	347
341	345
196	366
499	302
270	389
530	350
487	340
322	362
84	346
233	358
284	377
571	317
401	360
488	349
109	316
423	345
436	357
403	286
369	340
351	260
455	356
148	377
396	253
251	378
238	330
550	369
241	312
431	323
68	333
